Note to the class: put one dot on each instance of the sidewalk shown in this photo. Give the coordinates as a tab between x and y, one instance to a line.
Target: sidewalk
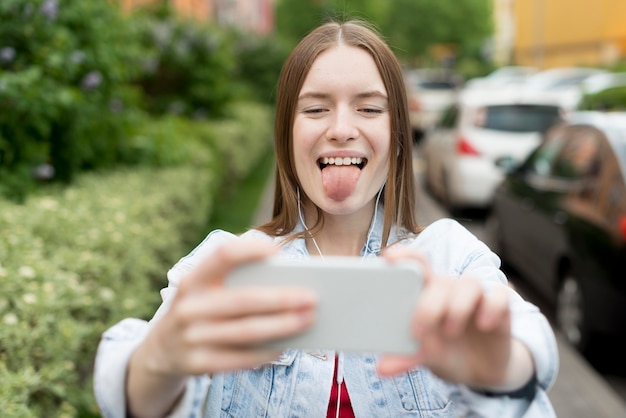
579	391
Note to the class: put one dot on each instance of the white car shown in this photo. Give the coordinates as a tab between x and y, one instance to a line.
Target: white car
565	84
429	93
467	152
503	76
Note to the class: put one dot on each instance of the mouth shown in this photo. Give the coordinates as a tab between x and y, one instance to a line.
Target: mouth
341	161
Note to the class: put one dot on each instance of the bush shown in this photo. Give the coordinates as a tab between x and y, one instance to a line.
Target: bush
188	67
609	99
63	67
76	259
259	61
79	259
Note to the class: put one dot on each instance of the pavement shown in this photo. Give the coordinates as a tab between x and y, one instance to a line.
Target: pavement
579	391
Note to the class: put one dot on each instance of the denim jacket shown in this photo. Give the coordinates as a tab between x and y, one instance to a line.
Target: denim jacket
298	383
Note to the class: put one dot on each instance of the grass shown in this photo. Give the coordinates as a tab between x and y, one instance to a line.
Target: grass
235	211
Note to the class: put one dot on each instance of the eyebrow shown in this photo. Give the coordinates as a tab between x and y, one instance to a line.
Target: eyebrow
363	95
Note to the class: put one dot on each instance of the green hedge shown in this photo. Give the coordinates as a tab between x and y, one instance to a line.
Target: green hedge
607	100
74	260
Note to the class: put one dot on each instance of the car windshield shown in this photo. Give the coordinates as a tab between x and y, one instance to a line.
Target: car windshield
435	85
518	118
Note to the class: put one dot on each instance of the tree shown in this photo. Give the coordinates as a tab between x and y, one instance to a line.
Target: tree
411	27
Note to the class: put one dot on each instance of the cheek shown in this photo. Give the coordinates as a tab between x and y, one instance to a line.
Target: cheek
302	145
303	137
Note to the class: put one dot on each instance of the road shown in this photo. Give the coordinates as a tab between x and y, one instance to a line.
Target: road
580	391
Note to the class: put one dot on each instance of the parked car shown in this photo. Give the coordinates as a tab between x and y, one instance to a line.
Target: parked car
503	76
462	152
565	84
559	219
429	92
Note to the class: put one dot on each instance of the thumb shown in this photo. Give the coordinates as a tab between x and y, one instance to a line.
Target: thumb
398	253
212	271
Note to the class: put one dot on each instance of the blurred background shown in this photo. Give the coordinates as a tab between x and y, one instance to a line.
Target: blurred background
126	121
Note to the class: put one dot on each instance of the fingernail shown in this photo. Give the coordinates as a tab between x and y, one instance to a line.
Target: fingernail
306	317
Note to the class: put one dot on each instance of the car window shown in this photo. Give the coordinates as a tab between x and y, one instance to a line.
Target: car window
541	159
611	188
579	157
436	85
614	206
517	118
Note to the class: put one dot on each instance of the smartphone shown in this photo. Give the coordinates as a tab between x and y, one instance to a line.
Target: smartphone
364	305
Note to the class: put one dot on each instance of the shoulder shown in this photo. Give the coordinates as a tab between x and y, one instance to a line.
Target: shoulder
209	244
452	249
445	231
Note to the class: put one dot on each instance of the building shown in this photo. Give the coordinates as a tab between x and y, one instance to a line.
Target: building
255	16
557	33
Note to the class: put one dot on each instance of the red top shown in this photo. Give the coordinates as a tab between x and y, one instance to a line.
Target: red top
345	406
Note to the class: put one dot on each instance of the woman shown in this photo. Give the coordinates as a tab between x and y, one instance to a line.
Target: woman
344	186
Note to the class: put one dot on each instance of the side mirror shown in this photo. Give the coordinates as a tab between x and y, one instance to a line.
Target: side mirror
508	164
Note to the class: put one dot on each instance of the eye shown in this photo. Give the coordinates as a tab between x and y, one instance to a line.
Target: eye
313	111
371	110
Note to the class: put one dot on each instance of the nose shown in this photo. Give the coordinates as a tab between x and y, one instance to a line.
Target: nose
342	126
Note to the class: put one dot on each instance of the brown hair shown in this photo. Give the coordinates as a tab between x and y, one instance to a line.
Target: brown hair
399	190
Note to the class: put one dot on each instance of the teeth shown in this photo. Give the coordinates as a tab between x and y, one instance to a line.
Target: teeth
342	161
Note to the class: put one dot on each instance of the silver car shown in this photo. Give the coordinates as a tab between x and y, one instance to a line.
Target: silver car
467	151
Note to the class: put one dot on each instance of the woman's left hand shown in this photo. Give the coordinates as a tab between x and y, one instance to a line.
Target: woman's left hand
464	333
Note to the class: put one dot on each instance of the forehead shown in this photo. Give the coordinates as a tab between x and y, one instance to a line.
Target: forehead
344	65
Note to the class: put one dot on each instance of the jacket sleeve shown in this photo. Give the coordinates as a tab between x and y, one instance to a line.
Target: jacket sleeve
120	341
456	252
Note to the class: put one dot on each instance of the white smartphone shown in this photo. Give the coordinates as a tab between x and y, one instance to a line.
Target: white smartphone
365	305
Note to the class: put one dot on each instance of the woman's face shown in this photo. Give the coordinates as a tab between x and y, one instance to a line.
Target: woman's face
342	132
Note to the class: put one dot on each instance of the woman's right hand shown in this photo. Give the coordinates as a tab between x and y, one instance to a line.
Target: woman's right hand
211	328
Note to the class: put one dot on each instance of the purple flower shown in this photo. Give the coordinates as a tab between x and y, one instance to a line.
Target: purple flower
116	105
43	172
77	57
91	81
7	54
50	9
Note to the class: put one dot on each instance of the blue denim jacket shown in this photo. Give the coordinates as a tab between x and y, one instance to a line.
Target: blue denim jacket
298	384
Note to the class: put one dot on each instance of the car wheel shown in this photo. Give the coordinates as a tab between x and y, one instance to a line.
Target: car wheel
570	312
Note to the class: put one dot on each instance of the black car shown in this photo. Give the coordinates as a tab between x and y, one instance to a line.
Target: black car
559	220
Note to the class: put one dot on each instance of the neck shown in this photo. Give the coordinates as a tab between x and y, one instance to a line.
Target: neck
342	235
336	245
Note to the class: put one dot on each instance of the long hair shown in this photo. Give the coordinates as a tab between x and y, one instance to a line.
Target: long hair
399	190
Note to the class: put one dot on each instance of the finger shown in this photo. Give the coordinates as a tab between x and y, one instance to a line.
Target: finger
398	253
464	300
215	360
494	310
431	307
390	365
250	330
214	268
231	303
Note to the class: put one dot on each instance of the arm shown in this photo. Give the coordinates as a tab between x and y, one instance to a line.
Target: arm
474	330
208	328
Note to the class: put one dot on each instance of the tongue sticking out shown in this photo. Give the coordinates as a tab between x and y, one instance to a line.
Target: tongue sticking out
340	181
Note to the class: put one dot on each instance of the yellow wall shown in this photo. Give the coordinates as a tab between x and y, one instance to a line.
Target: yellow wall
552	33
